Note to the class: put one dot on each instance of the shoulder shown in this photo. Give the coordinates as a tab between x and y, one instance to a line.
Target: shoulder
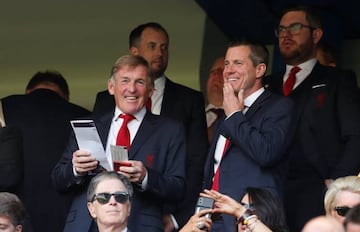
182	88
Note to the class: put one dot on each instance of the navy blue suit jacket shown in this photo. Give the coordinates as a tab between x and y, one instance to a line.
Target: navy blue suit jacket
160	145
186	106
255	156
326	140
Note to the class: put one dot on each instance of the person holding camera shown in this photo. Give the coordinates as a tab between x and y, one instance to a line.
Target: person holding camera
258	211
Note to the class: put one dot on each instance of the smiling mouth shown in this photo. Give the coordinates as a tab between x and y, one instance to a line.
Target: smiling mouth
232	79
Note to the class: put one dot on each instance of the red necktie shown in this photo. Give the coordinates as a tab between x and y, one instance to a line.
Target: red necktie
215	184
148	104
123	136
289	83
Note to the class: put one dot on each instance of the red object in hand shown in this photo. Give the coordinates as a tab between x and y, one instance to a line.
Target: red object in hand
117	164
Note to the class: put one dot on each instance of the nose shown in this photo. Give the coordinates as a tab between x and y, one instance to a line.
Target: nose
131	87
112	200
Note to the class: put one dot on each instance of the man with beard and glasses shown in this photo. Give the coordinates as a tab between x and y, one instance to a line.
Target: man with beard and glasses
326	128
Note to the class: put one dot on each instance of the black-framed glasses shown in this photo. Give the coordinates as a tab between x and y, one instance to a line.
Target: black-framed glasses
342	210
104	198
293	28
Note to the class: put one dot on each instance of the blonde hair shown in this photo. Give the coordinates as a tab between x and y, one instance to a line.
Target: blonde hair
347	183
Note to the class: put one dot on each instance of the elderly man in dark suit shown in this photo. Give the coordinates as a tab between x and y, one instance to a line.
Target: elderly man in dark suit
248	147
43	118
170	99
326	128
156	154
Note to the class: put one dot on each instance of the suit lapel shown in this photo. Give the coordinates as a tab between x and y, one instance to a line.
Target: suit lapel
257	104
145	131
103	124
168	98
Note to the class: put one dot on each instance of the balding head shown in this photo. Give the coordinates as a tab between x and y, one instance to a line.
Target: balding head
323	224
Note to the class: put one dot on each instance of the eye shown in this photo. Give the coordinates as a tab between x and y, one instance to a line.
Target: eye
152	46
164	47
140	82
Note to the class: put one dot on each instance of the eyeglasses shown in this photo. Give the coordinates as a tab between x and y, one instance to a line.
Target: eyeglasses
292	28
341	210
104	198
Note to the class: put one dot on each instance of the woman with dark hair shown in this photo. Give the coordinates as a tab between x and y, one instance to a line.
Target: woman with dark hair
259	211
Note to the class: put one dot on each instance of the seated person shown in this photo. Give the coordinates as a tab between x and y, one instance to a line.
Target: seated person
109	197
323	224
258	211
342	194
12	213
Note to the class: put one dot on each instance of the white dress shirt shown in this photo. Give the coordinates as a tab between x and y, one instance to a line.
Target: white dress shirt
306	69
220	144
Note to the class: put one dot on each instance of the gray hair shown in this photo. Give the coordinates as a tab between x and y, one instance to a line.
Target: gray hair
107	176
132	61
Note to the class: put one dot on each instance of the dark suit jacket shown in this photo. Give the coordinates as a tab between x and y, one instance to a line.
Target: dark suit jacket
44	120
160	145
187	106
255	155
11	158
326	141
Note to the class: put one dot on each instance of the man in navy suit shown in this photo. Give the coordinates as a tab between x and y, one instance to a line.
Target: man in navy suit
326	128
43	118
249	145
156	156
151	41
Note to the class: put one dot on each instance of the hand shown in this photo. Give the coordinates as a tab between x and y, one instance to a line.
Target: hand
198	220
224	203
168	224
136	172
83	161
231	102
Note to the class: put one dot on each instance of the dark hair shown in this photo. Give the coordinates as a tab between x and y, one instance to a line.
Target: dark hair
311	15
259	53
12	207
135	34
106	176
49	77
268	207
353	216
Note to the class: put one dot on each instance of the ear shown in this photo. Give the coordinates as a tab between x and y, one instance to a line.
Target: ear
91	209
317	35
134	51
260	70
18	228
111	86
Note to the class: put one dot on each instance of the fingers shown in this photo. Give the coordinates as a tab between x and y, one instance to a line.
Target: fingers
135	172
83	161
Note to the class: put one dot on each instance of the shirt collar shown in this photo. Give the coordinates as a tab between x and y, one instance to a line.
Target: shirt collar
159	83
138	116
252	97
211	106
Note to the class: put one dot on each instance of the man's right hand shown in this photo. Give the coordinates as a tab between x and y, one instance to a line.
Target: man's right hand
83	162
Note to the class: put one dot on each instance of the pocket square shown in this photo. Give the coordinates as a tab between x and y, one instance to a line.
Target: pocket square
318	86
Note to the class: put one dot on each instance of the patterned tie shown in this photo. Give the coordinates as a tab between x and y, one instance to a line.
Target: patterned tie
289	83
215	184
123	136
